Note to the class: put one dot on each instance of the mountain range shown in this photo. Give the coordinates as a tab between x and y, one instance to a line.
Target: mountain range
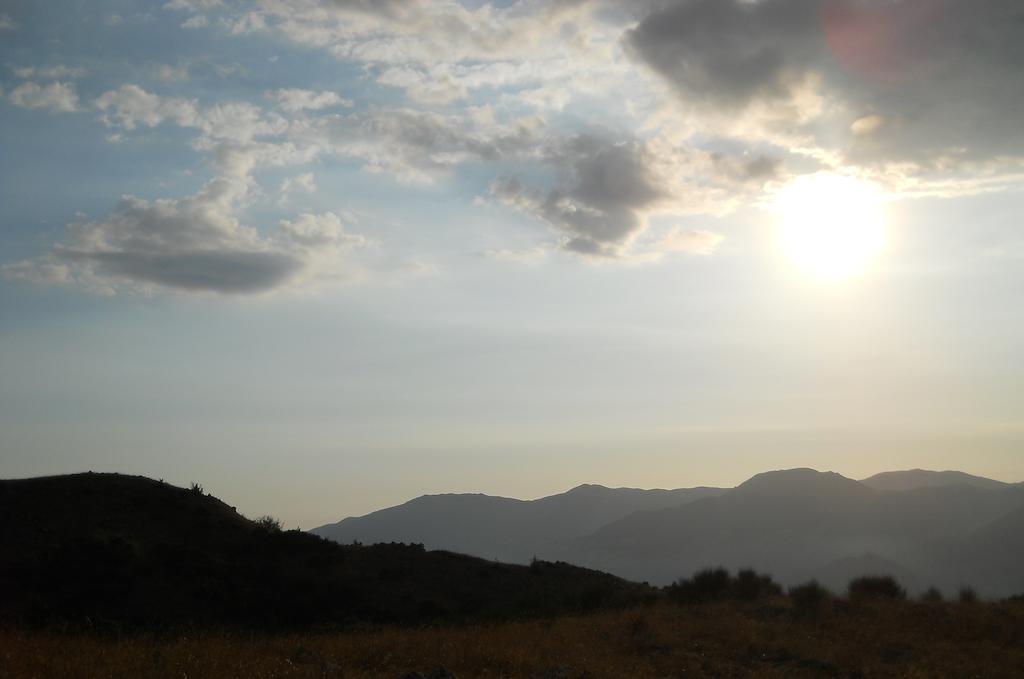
946	529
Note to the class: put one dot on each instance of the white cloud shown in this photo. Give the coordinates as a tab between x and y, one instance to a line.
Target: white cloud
55	96
168	73
196	21
194	5
292	100
7	23
131	106
250	22
440	51
303	183
55	72
317	232
528	256
692	241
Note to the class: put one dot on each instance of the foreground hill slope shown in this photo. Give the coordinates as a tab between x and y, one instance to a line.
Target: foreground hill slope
107	549
504	528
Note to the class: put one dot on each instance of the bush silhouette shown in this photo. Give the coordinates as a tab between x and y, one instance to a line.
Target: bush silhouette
750	586
875	588
932	596
716	584
269	523
711	584
809	597
967	595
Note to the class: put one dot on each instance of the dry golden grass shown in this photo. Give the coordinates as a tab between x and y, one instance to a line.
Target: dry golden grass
722	640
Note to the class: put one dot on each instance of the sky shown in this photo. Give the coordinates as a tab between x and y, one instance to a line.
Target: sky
323	256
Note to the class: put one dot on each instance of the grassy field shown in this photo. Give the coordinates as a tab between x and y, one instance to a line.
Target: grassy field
725	639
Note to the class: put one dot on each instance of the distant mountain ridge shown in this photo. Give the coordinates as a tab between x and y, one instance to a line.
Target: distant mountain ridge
942	528
502	528
912	479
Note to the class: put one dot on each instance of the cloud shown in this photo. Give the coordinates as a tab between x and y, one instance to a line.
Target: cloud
195	21
528	256
55	96
168	73
130	106
441	51
293	100
54	72
692	241
319	232
194	5
240	271
7	23
195	244
600	203
417	146
932	83
607	187
303	183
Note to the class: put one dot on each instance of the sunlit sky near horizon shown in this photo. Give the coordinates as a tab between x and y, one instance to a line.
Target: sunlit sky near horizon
323	256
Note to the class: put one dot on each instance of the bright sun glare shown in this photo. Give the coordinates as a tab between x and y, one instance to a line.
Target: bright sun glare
831	225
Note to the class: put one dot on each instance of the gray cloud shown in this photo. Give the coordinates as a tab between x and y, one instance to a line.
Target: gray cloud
606	188
929	81
416	145
216	271
195	244
727	52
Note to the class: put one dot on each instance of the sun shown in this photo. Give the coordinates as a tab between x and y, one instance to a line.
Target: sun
831	226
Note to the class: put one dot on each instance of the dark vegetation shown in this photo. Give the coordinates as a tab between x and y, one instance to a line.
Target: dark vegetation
105	575
874	588
716	584
106	551
726	638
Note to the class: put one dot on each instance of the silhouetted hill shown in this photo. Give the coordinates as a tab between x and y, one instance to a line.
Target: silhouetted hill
913	479
503	528
113	550
799	524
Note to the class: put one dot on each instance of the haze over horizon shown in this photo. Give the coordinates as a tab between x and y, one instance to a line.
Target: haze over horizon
324	256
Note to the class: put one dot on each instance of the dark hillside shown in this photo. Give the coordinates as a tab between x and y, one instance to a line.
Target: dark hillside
118	551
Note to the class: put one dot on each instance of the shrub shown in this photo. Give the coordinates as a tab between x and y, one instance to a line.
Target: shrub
932	596
877	588
967	595
751	586
809	597
197	488
269	523
711	584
